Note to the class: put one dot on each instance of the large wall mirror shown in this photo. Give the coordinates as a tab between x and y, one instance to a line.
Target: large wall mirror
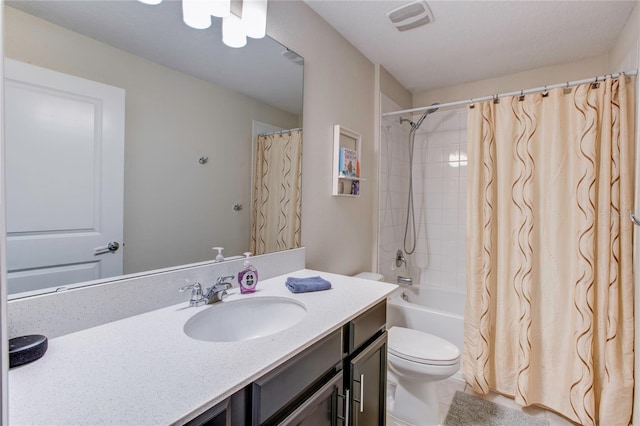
193	117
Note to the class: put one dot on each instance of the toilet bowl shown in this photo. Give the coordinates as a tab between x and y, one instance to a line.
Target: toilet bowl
416	361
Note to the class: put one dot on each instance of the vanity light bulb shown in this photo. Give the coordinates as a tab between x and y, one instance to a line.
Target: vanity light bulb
197	13
233	34
220	8
151	2
254	17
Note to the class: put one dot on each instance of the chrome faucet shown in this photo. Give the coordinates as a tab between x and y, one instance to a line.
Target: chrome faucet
218	292
213	294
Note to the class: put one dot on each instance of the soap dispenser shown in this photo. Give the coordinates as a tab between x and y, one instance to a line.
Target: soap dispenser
219	256
248	276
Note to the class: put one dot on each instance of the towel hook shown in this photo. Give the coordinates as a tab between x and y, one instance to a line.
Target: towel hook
634	219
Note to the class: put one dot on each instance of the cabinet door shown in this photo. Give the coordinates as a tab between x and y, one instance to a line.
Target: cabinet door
323	408
367	383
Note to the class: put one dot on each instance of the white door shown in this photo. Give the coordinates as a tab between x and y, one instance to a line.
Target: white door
64	139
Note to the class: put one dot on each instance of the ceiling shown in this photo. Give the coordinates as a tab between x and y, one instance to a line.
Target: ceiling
157	33
475	40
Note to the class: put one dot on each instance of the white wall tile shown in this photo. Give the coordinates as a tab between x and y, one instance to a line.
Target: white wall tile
439	198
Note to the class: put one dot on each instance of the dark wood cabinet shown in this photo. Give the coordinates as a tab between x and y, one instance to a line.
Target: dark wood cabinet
367	381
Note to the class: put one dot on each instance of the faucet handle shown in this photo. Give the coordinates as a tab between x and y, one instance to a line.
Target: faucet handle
223	280
196	294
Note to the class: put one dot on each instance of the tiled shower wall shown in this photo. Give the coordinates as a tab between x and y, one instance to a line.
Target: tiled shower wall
439	190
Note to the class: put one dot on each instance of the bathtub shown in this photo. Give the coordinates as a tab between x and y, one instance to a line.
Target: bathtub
433	310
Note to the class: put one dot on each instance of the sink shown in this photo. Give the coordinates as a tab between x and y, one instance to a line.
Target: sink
245	319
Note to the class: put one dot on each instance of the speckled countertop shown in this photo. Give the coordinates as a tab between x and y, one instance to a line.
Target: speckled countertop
146	370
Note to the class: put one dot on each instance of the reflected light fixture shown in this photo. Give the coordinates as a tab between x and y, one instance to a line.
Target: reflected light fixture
253	23
233	32
254	17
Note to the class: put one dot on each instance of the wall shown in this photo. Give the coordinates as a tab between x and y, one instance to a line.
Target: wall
439	188
524	80
4	339
394	90
339	88
171	120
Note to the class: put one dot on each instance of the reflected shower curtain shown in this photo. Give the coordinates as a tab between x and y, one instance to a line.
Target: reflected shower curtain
549	315
277	198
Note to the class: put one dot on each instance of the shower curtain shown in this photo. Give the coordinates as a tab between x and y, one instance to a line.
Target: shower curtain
549	314
277	198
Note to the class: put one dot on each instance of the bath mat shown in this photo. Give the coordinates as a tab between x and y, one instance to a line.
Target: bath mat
469	410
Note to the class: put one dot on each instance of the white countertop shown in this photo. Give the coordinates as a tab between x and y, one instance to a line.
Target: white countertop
146	370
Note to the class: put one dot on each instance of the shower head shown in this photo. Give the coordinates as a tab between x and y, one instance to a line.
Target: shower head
415	126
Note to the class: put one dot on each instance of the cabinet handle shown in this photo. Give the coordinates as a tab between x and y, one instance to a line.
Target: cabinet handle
361	400
362	393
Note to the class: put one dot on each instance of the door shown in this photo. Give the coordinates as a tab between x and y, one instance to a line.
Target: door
368	384
64	139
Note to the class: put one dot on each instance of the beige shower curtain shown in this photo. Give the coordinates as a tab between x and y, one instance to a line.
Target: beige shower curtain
277	198
549	315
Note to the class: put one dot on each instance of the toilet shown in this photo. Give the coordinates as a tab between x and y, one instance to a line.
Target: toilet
416	361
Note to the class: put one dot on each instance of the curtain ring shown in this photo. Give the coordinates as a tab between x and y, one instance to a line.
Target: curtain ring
471	106
567	89
545	93
495	99
521	97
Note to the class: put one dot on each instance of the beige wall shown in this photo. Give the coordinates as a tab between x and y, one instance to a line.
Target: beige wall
394	89
524	80
175	208
338	89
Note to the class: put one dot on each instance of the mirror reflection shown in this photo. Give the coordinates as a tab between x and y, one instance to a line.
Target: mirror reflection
133	143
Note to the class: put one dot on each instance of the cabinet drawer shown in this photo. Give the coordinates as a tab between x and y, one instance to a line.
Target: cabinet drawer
365	326
275	390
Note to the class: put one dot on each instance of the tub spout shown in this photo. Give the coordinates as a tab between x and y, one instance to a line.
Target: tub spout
405	280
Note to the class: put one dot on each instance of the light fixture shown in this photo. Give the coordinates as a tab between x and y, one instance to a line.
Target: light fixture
197	14
254	17
233	34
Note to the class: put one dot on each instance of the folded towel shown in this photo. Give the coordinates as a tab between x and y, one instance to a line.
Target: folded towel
303	285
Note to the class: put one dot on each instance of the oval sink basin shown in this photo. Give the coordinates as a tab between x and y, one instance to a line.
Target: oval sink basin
245	319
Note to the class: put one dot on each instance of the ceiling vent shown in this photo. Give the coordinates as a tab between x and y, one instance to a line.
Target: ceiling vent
410	15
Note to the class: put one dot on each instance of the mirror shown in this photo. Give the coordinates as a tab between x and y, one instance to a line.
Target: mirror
192	110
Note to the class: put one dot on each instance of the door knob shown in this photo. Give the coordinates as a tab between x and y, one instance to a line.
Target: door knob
109	248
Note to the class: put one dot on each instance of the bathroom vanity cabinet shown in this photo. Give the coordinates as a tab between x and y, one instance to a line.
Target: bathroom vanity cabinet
340	380
366	367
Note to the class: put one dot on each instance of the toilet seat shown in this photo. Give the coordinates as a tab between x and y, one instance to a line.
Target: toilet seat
423	348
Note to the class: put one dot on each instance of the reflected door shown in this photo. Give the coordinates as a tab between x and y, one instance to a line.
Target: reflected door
64	139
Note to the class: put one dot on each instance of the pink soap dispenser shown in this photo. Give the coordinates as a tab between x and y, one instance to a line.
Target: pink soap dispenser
248	276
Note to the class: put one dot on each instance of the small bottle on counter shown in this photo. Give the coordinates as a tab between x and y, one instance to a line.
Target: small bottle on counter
248	276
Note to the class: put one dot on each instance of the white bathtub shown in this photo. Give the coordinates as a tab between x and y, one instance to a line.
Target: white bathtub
433	310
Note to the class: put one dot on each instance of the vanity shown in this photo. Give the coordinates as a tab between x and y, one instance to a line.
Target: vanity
329	367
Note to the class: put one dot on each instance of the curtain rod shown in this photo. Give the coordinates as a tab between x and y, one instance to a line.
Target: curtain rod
280	132
516	93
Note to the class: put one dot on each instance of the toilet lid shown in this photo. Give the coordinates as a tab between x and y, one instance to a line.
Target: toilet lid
418	346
